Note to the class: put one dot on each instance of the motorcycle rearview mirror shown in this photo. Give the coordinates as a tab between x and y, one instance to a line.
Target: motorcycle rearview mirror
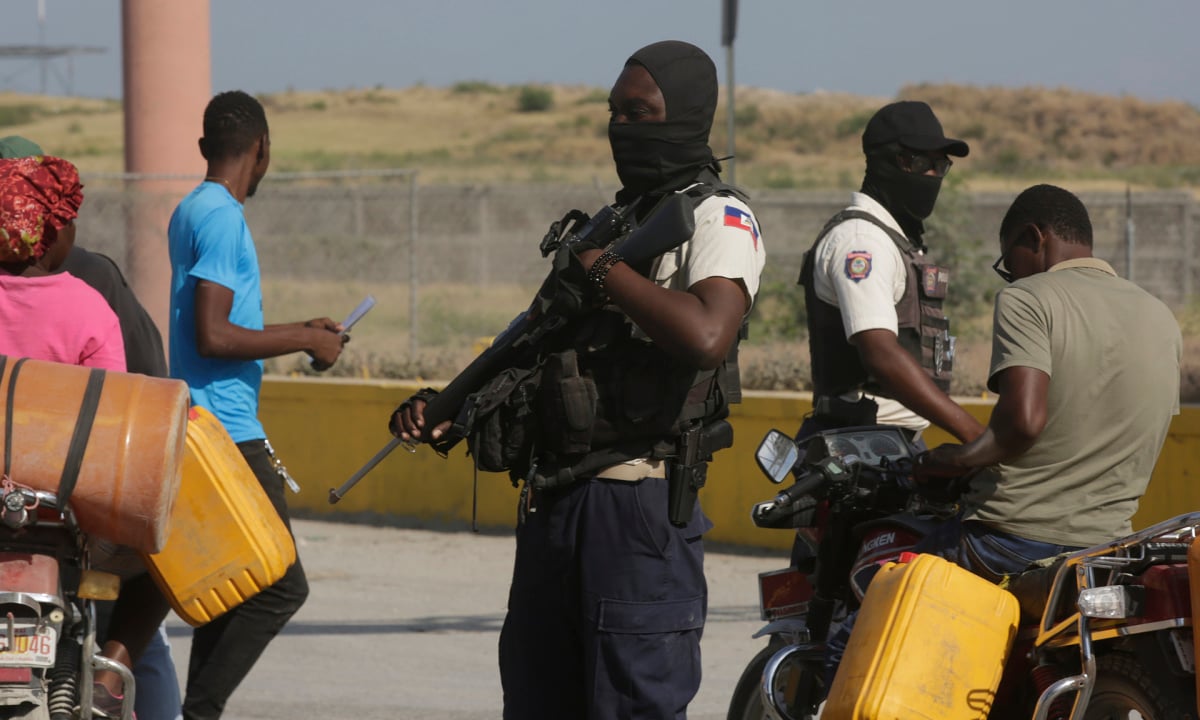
777	455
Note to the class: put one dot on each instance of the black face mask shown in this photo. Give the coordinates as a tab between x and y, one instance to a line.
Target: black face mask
909	198
661	156
648	161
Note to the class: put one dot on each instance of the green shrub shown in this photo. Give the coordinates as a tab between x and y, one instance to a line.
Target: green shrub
16	114
853	125
470	87
745	115
535	99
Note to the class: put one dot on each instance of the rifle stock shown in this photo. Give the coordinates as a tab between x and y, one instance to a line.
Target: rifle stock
668	228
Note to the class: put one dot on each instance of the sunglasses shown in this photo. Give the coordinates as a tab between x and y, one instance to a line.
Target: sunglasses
1001	269
916	163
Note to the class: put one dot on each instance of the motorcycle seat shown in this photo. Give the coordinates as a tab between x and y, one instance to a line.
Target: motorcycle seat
1032	588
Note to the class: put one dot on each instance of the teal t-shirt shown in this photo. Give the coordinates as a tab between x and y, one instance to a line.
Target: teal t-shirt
209	240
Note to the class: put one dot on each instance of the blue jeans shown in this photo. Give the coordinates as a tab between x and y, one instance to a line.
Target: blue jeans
157	687
990	553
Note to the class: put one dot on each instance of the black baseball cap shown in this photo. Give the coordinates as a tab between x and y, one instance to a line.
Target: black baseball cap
912	124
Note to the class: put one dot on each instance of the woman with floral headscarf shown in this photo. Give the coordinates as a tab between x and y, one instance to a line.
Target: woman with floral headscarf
43	315
55	316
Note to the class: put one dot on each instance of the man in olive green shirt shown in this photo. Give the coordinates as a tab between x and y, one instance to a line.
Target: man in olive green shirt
1086	366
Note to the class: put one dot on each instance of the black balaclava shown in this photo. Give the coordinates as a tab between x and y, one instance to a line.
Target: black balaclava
654	157
909	198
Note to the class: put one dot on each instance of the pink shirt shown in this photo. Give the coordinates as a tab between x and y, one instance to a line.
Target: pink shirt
58	318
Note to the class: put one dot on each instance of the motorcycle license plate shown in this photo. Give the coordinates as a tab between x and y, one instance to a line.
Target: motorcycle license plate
783	593
31	646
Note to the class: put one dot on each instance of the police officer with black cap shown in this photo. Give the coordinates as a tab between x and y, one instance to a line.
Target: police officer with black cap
880	344
608	596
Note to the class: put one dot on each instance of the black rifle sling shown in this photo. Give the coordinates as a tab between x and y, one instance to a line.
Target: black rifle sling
79	439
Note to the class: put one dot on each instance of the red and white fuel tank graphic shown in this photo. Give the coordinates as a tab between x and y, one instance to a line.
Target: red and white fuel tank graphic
882	543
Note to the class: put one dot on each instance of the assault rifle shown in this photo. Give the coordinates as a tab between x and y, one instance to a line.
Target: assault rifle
671	226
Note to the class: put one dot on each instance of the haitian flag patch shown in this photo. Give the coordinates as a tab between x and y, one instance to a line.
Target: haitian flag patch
858	265
738	218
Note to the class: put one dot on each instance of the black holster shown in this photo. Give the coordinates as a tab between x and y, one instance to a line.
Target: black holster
688	474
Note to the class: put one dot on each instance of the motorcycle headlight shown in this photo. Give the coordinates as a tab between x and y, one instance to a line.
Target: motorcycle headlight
1111	601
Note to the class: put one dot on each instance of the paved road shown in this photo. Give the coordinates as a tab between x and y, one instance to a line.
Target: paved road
403	623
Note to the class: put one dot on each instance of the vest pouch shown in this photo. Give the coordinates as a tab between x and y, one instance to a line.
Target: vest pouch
501	420
937	347
935	281
568	406
937	344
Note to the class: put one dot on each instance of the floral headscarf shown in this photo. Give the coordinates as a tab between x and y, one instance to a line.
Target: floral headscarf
35	192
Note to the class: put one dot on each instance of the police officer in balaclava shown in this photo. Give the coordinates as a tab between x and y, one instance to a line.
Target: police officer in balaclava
907	158
608	595
655	156
880	344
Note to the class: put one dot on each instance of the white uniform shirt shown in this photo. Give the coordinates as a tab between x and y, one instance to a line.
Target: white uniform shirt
859	270
727	243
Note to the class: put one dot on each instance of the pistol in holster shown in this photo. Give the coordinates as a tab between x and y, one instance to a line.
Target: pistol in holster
690	471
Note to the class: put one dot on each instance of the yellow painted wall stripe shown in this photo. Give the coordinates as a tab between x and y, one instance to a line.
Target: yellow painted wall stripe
325	429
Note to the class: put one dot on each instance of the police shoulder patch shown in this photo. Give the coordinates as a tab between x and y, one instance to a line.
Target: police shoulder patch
858	265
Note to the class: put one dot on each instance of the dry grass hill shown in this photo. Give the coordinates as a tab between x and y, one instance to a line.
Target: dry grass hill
476	132
479	132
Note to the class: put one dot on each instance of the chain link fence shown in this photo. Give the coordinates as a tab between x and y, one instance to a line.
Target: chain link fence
451	264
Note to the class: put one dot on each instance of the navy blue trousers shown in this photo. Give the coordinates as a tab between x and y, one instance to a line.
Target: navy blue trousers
606	608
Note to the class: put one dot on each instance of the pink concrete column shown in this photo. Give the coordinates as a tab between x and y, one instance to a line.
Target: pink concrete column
168	81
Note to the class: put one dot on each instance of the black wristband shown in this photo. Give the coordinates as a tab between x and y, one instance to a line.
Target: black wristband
598	273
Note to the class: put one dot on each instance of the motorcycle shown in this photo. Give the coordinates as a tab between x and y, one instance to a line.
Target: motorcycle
851	507
47	611
1104	633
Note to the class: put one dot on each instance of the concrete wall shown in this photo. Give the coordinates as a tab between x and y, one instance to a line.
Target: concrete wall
324	430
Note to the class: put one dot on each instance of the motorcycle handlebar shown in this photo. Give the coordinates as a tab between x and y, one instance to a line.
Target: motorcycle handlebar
828	471
767	514
804	485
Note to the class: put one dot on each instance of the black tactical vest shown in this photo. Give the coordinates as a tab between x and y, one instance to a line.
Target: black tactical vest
606	397
924	331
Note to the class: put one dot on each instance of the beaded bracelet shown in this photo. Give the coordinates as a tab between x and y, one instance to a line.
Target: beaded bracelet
598	273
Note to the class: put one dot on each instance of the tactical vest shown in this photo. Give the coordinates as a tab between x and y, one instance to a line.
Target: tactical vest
606	397
924	330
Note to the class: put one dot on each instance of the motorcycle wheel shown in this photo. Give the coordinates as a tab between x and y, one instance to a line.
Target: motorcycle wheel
1125	690
747	703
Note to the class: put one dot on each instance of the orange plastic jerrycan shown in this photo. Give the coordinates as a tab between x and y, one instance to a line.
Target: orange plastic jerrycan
226	541
930	644
129	472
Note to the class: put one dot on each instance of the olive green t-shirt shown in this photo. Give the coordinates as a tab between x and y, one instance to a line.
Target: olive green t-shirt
1112	352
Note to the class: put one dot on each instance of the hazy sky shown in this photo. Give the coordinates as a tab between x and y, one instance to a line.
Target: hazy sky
1147	48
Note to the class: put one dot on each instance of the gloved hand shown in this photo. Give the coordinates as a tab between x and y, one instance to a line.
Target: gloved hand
567	291
408	418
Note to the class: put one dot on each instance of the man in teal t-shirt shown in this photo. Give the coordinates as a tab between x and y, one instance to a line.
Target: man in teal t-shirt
217	344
